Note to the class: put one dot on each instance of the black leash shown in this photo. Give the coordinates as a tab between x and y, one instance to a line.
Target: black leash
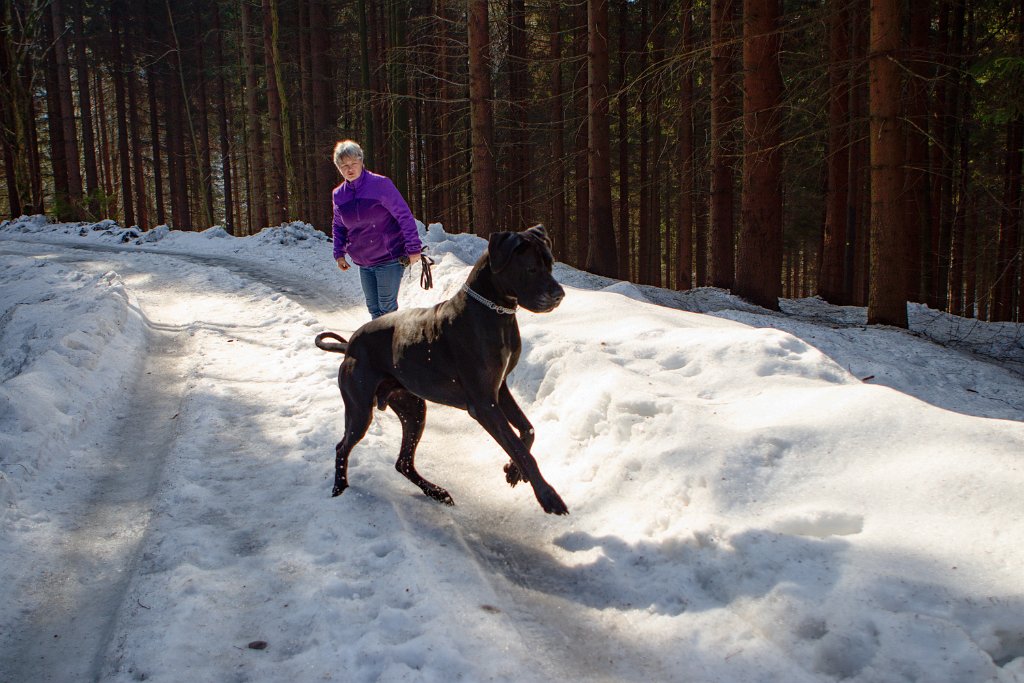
426	277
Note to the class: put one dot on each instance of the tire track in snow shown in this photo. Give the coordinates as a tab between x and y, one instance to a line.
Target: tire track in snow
66	634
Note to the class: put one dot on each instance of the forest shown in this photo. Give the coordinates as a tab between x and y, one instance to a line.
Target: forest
865	151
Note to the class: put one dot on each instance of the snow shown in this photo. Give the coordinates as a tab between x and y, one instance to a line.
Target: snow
754	496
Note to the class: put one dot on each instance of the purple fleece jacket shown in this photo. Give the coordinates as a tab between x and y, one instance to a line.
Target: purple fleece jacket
372	222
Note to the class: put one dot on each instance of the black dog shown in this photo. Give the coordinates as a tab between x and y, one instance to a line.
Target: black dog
457	353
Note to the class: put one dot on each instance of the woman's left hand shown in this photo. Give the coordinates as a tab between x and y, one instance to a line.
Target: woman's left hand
413	258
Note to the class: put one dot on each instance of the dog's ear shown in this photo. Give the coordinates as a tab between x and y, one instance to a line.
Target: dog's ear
538	236
540	232
500	248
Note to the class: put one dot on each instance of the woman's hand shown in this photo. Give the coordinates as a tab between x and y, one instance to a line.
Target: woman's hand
343	264
413	258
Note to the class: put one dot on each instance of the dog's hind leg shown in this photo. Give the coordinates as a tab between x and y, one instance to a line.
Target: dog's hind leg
517	418
358	415
412	411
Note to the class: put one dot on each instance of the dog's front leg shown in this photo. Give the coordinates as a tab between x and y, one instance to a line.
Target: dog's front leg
518	419
492	419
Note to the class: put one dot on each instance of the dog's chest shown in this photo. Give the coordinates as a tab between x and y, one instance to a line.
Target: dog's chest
509	349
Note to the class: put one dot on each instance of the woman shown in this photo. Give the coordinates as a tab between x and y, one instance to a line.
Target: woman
373	225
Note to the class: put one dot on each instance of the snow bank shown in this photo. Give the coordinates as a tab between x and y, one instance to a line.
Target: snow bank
69	342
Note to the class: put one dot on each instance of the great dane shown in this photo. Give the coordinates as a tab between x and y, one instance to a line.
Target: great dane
458	353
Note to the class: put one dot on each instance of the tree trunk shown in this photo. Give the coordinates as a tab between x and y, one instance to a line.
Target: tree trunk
446	212
625	237
687	179
951	105
181	194
602	257
887	297
63	208
519	89
1009	260
858	197
724	13
67	105
936	263
277	122
916	204
35	163
258	183
142	213
759	258
436	65
557	229
377	88
174	106
958	236
10	174
106	164
364	69
17	120
653	267
399	88
246	220
152	80
1011	214
482	121
8	123
701	247
324	112
581	231
305	158
121	111
10	92
92	182
222	121
644	239
831	279
203	134
15	207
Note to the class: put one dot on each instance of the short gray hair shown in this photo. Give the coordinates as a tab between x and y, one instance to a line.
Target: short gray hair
347	148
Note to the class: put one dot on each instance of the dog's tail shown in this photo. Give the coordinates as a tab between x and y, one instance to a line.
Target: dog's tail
331	346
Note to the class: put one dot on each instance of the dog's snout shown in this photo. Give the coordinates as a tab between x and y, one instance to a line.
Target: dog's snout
550	299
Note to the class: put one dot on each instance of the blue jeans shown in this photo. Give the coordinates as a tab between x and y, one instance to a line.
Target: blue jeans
380	287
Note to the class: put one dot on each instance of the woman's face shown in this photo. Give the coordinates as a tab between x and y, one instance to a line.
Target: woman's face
350	167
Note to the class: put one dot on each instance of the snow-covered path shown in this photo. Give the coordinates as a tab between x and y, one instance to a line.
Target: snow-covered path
66	634
744	508
193	381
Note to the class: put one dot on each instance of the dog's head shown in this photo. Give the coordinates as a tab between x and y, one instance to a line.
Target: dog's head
522	263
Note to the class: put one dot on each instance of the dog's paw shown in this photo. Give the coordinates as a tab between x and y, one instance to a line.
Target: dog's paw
559	509
552	503
440	495
513	475
338	490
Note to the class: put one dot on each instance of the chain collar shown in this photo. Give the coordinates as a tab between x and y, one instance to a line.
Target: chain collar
489	304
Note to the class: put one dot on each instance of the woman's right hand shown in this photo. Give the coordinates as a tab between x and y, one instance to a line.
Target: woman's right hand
343	264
